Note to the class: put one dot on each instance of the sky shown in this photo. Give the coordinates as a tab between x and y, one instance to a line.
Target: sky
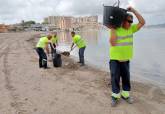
14	11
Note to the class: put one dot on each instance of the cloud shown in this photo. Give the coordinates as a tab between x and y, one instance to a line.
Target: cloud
13	11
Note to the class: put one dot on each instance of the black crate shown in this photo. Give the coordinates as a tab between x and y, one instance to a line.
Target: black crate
113	16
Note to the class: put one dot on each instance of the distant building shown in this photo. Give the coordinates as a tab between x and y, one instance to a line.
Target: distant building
86	20
62	22
65	23
3	28
80	22
68	22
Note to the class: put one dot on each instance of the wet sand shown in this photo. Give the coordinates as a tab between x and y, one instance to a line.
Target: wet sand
71	89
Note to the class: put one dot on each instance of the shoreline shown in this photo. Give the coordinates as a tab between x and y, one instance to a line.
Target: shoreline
144	81
134	78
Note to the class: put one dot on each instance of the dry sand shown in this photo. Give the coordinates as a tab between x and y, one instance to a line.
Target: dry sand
26	89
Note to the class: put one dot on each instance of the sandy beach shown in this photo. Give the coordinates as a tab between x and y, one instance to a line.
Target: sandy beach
71	89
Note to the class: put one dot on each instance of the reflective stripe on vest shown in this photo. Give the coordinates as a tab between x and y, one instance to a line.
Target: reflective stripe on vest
125	44
124	37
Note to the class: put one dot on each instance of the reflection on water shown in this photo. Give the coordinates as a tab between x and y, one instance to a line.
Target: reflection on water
149	51
64	37
90	36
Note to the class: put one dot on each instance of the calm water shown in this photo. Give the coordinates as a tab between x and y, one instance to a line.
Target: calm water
149	52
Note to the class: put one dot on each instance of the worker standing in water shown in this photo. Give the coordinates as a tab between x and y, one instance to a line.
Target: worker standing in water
121	52
41	45
80	43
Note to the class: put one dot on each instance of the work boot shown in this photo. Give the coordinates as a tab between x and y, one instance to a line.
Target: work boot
40	66
128	99
82	64
114	101
46	67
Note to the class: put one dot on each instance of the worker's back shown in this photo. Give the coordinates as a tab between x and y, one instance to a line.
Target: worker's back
42	42
79	41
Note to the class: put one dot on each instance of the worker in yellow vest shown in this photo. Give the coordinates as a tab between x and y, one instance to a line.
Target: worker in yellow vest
41	45
80	43
121	52
54	43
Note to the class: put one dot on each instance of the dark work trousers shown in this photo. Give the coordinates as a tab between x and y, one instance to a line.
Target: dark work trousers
53	50
81	55
42	58
120	70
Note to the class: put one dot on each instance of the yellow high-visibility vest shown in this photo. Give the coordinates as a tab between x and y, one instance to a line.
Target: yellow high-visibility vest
123	50
42	42
79	41
54	39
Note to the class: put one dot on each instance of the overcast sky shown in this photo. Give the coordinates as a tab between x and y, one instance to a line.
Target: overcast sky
13	11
